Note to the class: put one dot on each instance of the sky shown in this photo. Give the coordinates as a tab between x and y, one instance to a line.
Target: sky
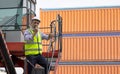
74	4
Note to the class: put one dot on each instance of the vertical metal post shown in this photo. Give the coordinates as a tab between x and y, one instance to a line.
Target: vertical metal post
60	31
25	66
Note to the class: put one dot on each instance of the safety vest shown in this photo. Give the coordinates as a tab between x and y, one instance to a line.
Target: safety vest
34	47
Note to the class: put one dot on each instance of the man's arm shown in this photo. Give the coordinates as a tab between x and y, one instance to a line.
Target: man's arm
47	37
44	36
27	35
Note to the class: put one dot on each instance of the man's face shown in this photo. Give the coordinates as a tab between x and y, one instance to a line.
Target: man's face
35	23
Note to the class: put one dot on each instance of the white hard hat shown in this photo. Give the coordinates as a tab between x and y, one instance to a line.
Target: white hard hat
36	18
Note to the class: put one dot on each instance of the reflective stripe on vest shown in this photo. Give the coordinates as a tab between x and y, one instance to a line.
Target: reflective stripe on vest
34	47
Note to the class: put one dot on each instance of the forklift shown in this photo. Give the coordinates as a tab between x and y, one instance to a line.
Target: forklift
15	17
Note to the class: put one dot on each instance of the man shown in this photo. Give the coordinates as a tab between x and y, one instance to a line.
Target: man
33	46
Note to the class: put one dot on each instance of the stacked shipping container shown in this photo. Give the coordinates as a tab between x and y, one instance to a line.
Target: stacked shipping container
89	34
88	69
84	20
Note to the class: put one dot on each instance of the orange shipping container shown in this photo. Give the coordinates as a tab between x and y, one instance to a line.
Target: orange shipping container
94	48
84	19
88	69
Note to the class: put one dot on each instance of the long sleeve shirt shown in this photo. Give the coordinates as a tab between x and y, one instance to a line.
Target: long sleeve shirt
28	35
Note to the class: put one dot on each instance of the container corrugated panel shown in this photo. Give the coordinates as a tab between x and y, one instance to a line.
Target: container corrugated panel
84	20
88	69
103	48
45	47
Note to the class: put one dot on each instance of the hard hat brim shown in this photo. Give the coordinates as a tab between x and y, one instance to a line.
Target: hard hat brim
35	20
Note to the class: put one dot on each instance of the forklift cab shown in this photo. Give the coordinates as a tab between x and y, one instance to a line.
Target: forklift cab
15	16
